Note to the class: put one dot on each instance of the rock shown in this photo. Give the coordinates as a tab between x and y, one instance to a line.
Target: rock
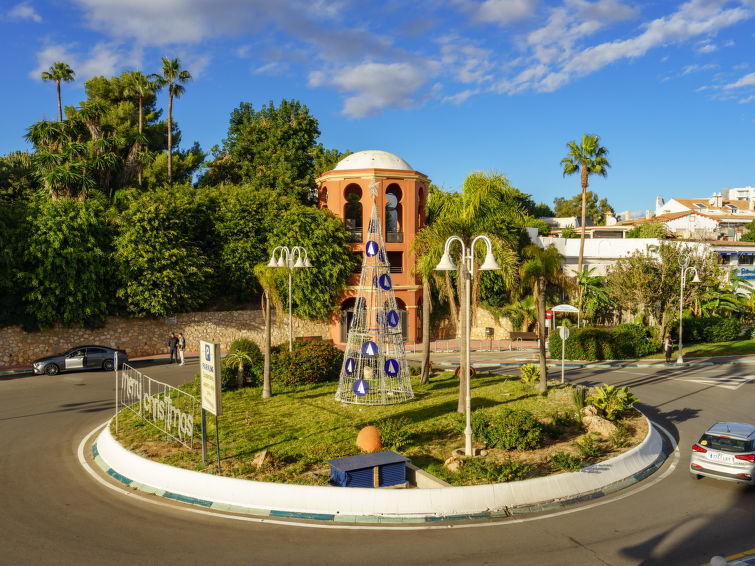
590	411
452	465
262	458
598	425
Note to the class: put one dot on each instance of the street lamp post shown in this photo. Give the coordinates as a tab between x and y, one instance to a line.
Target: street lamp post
286	258
685	267
467	273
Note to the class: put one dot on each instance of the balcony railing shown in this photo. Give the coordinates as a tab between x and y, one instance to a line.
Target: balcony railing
394	237
355	235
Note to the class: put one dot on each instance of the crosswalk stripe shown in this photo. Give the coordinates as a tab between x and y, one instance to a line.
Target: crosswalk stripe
732	383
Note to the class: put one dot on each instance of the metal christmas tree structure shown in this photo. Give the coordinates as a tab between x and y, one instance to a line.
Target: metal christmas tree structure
374	370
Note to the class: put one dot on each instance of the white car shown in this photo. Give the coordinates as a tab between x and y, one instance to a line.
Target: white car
725	451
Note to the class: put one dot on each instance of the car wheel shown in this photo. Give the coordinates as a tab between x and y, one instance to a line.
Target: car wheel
108	365
52	369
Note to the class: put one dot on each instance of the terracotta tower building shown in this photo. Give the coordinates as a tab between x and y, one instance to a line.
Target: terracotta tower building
401	208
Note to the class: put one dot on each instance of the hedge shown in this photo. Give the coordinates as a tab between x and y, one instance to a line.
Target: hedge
310	362
622	342
710	329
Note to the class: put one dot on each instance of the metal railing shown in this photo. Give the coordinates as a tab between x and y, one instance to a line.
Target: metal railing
163	406
355	234
476	345
394	237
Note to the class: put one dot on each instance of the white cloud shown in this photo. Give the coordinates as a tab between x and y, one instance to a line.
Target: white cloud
460	97
748	99
375	86
706	47
689	69
747	80
102	59
24	11
503	12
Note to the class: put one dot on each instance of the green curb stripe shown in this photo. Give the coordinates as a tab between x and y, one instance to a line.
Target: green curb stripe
187	499
298	515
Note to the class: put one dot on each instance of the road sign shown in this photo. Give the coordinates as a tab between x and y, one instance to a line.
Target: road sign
209	358
548	314
361	387
393	318
563	331
385	281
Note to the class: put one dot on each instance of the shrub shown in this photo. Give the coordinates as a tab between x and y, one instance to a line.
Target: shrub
587	447
612	402
620	437
394	433
492	471
507	428
709	329
624	341
559	422
566	462
309	362
245	351
529	374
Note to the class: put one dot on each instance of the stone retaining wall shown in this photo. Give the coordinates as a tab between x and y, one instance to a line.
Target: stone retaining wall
144	337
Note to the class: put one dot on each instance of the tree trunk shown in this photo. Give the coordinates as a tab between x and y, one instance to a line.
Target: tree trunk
540	292
425	378
584	206
60	108
170	137
240	376
139	146
266	389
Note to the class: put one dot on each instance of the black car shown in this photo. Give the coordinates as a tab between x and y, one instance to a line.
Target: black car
80	358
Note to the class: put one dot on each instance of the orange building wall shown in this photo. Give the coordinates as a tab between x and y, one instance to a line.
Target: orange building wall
407	287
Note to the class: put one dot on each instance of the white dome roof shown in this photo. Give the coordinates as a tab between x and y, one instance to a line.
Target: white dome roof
373	159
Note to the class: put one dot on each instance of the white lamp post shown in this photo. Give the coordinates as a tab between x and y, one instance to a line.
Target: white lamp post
685	267
467	273
286	259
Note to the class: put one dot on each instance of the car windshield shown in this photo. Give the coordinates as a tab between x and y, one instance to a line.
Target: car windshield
726	444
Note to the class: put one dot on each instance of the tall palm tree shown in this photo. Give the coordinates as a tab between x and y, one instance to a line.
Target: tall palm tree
487	205
267	278
539	268
173	76
140	85
59	71
589	158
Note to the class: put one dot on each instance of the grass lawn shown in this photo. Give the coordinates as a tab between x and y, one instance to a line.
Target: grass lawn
733	348
305	427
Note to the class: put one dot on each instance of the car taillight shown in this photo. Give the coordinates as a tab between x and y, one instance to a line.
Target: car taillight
698	448
746	457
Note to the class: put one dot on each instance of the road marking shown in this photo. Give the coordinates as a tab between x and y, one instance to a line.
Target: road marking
733	382
674	457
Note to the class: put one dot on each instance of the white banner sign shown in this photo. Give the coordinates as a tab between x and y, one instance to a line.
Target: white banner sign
209	363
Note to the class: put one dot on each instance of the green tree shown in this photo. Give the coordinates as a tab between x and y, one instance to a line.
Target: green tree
316	290
749	235
487	205
593	299
596	210
648	282
17	180
326	159
246	219
267	279
66	275
539	268
649	230
185	164
542	210
140	86
589	158
59	71
271	148
174	77
162	252
522	313
14	231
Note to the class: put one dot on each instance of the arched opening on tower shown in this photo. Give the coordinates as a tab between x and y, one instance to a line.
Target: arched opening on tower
393	214
352	211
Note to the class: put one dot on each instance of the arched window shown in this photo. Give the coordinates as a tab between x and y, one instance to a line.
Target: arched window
352	213
393	216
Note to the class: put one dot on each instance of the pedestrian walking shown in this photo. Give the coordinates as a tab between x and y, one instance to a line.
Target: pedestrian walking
181	346
173	345
668	346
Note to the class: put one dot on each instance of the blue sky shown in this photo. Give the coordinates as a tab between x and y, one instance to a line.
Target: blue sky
452	86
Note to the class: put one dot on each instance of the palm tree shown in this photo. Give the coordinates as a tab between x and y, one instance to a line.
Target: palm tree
592	294
539	268
172	76
487	205
59	71
589	159
267	278
238	359
522	313
140	85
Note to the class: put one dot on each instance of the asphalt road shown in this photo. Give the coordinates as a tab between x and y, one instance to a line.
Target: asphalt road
56	513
